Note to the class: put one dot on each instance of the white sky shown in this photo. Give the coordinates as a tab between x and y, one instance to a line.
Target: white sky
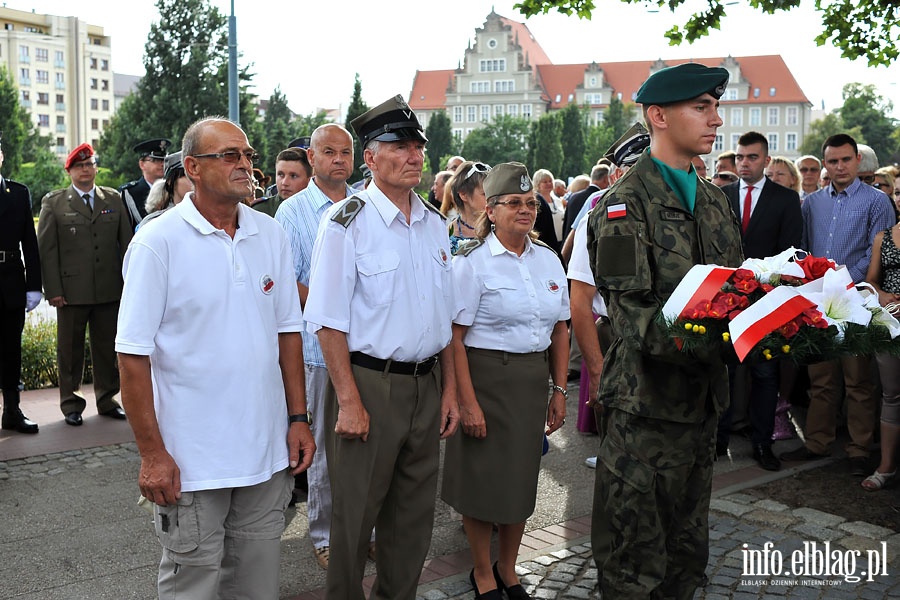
312	48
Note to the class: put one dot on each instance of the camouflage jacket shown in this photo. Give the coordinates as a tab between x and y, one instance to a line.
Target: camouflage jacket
641	243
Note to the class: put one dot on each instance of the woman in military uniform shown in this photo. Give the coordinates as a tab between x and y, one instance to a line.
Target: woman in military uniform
508	338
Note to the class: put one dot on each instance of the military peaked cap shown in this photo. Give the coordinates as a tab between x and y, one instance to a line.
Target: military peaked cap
390	121
155	148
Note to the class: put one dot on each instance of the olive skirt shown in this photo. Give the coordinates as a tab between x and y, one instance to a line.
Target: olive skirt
495	479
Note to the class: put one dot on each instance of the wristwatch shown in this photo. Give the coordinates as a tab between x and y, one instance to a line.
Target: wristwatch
561	390
301	418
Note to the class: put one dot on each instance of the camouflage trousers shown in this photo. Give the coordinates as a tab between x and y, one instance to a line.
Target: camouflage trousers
650	529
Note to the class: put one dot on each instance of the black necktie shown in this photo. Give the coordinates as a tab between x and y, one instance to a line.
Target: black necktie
87	201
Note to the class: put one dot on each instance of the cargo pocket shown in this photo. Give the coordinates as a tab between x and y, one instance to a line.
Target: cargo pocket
178	526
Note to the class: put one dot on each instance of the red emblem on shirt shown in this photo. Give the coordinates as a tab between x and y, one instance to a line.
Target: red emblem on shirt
552	286
267	284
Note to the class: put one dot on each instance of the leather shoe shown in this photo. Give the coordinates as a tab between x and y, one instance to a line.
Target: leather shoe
74	419
762	454
115	413
493	594
801	453
16	421
859	466
514	592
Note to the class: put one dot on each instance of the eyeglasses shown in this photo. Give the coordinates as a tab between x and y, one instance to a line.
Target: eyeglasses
477	167
883	187
517	204
810	169
232	156
88	164
870	179
153	158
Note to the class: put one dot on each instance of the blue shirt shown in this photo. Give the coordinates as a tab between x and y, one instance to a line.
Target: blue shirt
299	215
842	225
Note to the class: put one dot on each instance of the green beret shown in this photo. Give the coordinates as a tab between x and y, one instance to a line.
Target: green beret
507	178
682	82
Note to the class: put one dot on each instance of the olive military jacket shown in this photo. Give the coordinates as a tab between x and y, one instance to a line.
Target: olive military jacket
641	243
82	251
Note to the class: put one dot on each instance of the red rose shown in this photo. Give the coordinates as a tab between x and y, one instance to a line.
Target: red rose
815	267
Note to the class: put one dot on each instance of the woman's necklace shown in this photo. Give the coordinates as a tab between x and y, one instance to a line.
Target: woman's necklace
459	220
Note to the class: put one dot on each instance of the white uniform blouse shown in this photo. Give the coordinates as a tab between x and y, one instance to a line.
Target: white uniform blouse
510	303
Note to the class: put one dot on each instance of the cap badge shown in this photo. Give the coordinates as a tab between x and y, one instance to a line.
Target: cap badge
524	183
266	284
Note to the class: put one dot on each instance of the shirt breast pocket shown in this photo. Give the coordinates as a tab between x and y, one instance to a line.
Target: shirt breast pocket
378	276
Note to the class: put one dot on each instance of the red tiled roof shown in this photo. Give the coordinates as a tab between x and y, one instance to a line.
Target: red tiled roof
429	90
530	46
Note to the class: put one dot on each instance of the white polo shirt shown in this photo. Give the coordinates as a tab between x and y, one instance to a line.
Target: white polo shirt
509	302
207	309
382	281
580	266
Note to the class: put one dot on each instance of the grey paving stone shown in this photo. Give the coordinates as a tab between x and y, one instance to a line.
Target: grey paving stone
866	530
729	507
817	532
562	554
818	517
578	592
771	505
545	594
434	595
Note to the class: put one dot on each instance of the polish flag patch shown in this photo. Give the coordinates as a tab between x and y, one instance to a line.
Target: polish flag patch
615	211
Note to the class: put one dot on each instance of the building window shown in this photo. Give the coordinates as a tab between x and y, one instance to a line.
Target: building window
755	117
458	133
93	63
61	142
721	112
719	144
104	64
598	117
593	99
24	55
43	98
498	110
457	114
790	142
41	55
512	110
93	83
526	111
773	142
792	117
26	96
730	94
772	116
505	86
592	82
44	120
60	80
737	117
60	99
492	43
734	140
104	85
59	59
471	114
95	124
105	123
60	119
492	65
94	104
42	76
485	112
479	87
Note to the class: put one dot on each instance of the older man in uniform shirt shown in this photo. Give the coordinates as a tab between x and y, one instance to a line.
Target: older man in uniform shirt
134	193
83	232
20	292
381	301
660	406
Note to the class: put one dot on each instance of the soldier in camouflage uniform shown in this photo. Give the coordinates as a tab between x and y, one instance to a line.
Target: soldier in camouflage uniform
654	470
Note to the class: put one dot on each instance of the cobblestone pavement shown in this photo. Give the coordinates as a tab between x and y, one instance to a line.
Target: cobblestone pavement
737	520
35	467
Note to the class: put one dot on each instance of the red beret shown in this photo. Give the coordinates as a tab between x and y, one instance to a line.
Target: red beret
82	152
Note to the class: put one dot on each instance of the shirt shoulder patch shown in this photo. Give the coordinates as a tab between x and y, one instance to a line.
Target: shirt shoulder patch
466	247
347	211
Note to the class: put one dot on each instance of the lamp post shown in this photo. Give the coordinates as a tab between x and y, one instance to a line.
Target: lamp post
234	113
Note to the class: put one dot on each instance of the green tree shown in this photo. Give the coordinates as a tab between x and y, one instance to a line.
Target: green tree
440	139
864	108
823	128
44	174
186	62
573	140
618	116
599	138
858	28
304	125
501	140
544	146
277	129
356	108
15	123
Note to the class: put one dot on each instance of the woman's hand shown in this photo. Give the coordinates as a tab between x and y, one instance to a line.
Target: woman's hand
471	418
556	412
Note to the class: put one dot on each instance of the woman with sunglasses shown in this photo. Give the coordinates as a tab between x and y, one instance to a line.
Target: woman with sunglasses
509	337
168	191
886	182
465	187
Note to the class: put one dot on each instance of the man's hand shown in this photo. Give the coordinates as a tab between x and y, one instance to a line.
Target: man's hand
449	414
301	447
57	301
160	478
352	421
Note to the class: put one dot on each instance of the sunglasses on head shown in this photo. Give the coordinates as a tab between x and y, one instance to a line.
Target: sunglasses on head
478	167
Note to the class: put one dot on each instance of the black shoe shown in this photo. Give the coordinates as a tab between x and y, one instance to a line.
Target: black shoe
573	375
14	420
74	419
859	466
514	592
493	594
762	454
115	413
801	453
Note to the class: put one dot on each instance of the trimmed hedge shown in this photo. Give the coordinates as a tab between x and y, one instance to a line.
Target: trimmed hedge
39	355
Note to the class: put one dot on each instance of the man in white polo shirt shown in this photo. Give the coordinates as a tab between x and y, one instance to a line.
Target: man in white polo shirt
220	421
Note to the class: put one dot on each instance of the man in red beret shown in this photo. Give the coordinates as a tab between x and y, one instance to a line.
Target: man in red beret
82	235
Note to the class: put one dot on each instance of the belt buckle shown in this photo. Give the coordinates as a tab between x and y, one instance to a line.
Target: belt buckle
2	256
415	372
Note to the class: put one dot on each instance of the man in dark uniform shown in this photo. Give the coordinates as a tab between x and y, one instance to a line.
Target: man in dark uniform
660	406
20	292
134	193
83	232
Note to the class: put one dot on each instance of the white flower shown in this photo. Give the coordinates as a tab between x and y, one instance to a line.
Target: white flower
838	299
880	315
770	268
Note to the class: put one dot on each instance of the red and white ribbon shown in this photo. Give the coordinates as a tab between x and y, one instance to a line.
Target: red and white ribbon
701	283
764	316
